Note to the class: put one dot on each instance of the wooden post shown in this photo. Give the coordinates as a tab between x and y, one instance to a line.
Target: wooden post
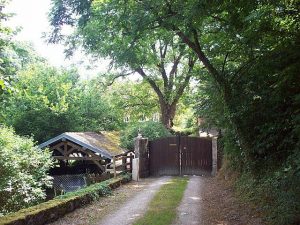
124	161
131	158
114	163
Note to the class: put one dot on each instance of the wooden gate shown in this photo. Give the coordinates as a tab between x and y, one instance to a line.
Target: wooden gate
180	155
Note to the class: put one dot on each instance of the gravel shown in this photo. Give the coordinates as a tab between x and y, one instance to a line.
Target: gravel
136	206
206	201
101	211
189	208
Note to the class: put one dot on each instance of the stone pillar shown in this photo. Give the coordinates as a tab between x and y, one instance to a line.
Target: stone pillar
214	156
142	154
135	169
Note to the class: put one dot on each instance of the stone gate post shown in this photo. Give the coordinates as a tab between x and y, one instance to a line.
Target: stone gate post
214	156
141	160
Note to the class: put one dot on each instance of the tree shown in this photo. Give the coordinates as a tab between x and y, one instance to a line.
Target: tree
40	104
94	112
228	38
47	102
161	60
151	130
250	50
134	100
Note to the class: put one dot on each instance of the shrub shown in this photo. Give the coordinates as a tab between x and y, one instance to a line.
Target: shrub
23	169
52	210
151	130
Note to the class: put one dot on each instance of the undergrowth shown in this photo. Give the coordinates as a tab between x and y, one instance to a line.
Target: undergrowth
276	195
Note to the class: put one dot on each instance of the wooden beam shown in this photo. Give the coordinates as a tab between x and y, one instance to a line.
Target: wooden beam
76	146
65	148
71	150
99	165
75	158
58	149
57	145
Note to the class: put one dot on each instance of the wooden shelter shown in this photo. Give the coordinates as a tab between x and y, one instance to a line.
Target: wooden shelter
99	148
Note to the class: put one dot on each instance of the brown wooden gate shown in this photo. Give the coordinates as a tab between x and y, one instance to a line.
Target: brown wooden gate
164	156
180	155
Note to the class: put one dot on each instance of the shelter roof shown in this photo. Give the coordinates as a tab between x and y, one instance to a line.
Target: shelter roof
104	143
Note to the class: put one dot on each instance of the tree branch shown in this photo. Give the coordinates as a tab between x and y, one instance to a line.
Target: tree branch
161	65
151	82
185	82
239	72
224	62
174	69
116	77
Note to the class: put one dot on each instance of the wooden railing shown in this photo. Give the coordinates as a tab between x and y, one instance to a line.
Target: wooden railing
121	163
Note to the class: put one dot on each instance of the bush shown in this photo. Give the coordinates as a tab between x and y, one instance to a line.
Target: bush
150	130
50	211
276	196
23	169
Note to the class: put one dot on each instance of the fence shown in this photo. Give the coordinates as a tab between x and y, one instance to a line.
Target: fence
120	164
68	183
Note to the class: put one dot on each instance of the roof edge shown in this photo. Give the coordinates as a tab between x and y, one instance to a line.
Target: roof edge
65	135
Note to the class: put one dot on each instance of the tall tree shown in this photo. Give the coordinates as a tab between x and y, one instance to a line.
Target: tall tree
228	37
161	60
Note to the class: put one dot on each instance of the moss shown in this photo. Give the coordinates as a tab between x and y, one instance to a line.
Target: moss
112	142
61	205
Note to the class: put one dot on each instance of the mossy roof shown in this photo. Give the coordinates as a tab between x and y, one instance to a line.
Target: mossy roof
106	143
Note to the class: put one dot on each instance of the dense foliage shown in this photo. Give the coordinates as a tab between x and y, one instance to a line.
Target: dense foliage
133	100
47	102
151	130
7	68
23	168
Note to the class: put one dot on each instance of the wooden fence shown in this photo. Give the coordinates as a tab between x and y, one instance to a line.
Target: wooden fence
120	164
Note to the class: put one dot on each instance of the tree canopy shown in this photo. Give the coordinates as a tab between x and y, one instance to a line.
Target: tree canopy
161	60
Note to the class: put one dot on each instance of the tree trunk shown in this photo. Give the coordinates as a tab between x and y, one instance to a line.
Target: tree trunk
168	112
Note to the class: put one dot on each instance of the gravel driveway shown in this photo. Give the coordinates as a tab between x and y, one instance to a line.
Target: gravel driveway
126	203
206	200
136	206
189	210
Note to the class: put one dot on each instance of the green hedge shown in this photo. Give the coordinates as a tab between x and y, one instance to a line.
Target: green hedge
151	130
52	210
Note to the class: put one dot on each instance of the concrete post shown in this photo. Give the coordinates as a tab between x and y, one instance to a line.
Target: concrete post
135	169
141	153
214	156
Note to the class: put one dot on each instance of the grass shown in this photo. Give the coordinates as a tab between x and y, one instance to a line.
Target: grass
162	208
